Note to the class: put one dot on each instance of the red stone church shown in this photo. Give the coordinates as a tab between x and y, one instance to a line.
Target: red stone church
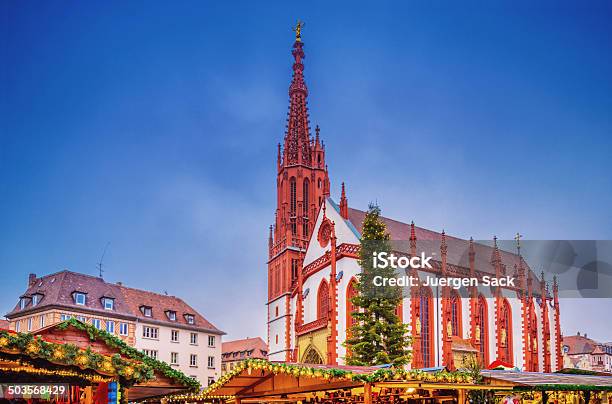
312	269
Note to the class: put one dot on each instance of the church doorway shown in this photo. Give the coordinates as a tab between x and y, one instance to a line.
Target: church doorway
312	356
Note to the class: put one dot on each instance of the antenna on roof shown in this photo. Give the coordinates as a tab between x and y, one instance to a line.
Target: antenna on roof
100	263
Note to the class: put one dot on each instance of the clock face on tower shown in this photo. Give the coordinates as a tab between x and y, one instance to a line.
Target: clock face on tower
324	233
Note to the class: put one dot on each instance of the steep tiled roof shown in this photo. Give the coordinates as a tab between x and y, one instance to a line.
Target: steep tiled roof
160	305
428	241
57	291
232	349
578	344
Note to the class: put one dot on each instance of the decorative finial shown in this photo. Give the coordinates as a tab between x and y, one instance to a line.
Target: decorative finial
443	247
298	30
324	209
518	237
343	204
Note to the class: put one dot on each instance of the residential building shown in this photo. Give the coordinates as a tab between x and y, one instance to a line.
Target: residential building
163	327
581	352
236	351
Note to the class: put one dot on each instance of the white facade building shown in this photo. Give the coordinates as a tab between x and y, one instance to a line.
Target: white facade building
163	327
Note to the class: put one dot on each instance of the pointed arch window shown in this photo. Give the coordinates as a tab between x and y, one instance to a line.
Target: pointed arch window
306	194
506	332
456	322
483	332
426	318
534	339
351	292
292	203
323	300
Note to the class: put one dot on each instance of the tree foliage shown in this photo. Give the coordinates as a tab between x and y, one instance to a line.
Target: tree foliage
378	337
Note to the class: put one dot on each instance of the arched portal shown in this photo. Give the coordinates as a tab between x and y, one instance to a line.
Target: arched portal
312	356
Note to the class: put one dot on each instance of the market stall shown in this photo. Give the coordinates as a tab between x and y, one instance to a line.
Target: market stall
260	381
74	362
558	388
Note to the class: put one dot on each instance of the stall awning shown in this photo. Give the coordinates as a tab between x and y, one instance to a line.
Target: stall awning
542	381
255	378
80	352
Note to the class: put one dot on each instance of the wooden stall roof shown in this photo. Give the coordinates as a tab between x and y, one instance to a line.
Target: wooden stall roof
260	382
259	378
86	338
538	379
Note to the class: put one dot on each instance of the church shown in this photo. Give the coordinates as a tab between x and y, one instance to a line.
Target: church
313	267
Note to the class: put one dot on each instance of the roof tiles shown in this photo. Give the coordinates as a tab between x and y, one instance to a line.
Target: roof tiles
57	290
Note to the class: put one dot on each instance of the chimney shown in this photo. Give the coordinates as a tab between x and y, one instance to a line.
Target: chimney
31	279
585	335
578	333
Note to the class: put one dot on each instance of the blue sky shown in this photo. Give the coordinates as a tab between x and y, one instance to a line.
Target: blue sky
153	126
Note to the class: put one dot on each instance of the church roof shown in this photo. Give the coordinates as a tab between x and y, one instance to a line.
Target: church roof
458	249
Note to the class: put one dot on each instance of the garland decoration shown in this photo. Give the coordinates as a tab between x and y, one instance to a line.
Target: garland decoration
300	370
34	347
132	353
23	366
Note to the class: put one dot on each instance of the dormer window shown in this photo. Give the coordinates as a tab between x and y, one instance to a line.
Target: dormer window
108	303
79	298
147	311
23	302
171	315
190	318
36	299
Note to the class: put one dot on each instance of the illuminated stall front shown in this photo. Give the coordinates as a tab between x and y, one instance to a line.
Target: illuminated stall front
260	381
73	362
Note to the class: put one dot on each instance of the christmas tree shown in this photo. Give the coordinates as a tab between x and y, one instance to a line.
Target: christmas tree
378	336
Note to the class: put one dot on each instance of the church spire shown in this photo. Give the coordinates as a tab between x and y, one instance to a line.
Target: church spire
297	137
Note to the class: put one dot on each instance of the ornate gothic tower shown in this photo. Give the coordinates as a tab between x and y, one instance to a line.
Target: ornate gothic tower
302	183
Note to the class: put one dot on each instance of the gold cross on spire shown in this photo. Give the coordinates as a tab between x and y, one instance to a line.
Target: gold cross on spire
298	30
